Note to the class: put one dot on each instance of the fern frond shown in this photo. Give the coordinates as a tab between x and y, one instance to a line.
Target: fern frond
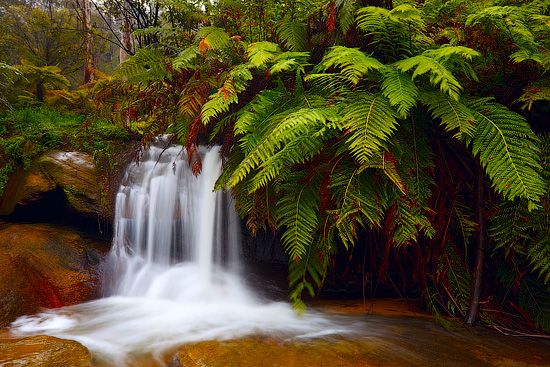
439	75
294	35
454	114
356	196
186	58
370	121
288	61
298	214
410	219
539	254
508	151
537	91
260	53
144	65
290	128
400	90
235	83
213	37
354	64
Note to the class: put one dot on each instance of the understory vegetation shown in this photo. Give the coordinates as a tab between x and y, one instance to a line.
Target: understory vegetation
404	143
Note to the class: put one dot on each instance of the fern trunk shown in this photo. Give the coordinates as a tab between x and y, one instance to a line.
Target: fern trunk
480	250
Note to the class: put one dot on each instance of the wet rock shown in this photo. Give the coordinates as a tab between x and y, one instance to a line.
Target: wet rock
73	172
45	267
43	351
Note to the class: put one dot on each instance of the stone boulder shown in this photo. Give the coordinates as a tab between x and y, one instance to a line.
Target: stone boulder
45	267
73	172
43	351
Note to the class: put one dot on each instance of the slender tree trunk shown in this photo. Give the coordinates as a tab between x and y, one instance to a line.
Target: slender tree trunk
88	53
480	251
126	40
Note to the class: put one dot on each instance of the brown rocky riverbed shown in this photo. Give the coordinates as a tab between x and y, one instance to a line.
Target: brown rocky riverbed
387	333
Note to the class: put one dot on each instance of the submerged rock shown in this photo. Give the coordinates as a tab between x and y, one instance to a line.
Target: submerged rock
45	267
43	351
73	172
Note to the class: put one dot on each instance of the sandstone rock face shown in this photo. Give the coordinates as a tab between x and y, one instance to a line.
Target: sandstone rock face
73	172
43	351
45	267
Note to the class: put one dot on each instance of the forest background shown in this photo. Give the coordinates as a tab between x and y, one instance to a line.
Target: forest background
402	142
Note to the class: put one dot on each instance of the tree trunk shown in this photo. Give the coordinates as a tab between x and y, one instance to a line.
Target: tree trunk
480	251
88	51
126	40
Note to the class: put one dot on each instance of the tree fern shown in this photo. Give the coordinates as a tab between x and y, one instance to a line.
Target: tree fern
400	90
260	52
454	114
507	149
212	37
537	91
235	82
370	121
144	65
290	128
438	74
354	64
298	214
294	35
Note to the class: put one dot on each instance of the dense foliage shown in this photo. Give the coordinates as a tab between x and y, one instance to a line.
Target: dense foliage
415	132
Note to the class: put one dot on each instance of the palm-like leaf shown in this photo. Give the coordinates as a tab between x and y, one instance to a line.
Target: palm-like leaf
354	63
400	90
507	149
454	115
370	121
294	35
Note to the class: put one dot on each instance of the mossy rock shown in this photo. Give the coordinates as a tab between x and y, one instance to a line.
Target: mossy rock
80	179
73	172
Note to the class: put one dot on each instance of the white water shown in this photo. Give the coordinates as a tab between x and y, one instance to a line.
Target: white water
175	270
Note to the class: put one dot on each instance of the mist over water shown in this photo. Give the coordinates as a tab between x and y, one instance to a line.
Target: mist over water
174	271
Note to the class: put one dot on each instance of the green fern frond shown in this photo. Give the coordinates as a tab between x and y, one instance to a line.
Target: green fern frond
510	20
439	75
400	90
370	121
354	64
290	128
298	214
357	196
213	37
236	82
186	58
372	19
454	114
294	35
408	14
508	151
288	61
536	91
464	225
144	65
510	227
410	219
260	53
539	254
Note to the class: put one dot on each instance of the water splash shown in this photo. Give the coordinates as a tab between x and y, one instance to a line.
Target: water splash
175	265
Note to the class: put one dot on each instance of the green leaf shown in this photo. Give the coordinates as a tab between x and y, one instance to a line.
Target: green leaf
260	53
508	150
354	63
370	121
294	35
400	90
454	114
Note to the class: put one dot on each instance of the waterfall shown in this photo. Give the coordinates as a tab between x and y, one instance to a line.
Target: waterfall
173	228
175	270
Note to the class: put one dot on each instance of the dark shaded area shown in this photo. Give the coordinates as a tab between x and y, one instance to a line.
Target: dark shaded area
52	208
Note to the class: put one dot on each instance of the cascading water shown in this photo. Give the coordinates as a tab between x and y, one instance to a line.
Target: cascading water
174	266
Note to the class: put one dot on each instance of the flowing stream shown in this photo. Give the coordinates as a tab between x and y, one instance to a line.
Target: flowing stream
174	271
